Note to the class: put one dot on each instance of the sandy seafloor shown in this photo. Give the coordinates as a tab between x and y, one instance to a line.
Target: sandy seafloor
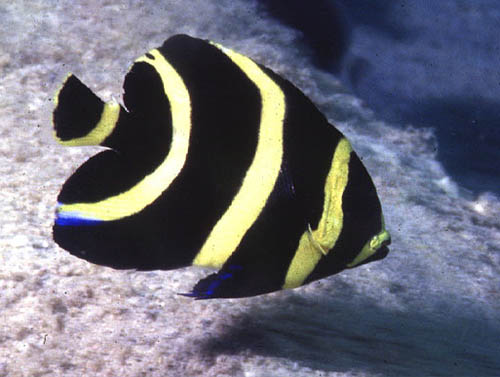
431	308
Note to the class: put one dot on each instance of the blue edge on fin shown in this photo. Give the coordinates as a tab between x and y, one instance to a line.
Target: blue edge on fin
204	289
73	218
75	221
213	283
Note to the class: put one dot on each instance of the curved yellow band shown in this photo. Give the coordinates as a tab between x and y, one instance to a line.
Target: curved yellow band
316	243
261	176
152	186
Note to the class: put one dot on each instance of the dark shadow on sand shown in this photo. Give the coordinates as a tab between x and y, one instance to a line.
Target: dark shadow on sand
361	336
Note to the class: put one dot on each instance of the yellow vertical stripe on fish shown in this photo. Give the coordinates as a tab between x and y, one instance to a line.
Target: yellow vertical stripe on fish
151	187
315	243
261	176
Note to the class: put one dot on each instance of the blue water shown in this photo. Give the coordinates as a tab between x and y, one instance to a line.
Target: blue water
425	63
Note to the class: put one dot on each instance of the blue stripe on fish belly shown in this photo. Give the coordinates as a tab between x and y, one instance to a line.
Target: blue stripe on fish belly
74	219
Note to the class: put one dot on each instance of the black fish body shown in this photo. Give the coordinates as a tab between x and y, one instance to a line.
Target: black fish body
214	161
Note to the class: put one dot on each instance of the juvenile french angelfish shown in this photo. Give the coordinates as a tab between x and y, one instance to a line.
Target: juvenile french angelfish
214	160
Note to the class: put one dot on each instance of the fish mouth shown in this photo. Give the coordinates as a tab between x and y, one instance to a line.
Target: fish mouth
381	253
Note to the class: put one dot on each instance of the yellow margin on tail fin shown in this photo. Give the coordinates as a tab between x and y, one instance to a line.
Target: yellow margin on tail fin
152	186
104	128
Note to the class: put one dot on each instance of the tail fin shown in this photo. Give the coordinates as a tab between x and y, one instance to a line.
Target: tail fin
80	117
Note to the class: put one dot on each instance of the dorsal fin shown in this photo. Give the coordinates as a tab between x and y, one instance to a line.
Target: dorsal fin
82	118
